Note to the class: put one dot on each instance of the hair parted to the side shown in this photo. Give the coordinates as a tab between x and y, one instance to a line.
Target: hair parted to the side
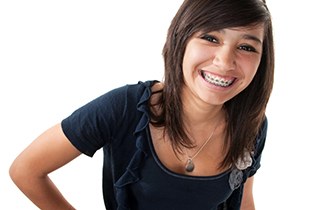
246	111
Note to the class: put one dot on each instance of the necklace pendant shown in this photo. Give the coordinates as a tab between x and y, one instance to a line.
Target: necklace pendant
189	166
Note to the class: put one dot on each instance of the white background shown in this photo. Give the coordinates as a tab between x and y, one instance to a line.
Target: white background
57	55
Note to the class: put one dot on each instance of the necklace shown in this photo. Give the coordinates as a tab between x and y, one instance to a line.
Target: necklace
190	165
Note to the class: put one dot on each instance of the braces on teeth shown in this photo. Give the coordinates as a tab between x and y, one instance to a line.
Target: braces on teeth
217	81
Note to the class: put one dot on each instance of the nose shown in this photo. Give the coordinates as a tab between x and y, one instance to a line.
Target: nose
224	59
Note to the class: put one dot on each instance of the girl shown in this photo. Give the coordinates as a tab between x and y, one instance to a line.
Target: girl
193	141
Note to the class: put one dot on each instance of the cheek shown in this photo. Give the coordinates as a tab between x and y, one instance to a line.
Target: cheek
195	56
188	58
250	68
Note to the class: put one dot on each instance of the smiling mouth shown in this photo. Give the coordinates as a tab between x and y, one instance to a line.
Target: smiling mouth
216	80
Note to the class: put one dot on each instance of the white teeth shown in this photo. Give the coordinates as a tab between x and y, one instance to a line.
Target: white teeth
218	81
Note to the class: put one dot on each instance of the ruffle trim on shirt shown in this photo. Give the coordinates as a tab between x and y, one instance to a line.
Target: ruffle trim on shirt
237	175
132	173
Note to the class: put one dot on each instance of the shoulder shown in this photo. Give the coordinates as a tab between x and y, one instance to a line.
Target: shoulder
122	96
133	90
262	135
259	147
263	127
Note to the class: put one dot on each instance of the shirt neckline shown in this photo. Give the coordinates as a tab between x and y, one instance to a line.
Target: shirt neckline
175	174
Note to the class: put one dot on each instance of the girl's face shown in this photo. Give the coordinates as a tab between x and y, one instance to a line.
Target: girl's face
220	64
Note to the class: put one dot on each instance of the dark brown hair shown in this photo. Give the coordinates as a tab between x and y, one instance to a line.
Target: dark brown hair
246	111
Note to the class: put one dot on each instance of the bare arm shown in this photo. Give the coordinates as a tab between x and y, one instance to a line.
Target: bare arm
247	199
30	170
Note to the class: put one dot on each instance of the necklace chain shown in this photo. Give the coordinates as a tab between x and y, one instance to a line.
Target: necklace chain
190	165
203	145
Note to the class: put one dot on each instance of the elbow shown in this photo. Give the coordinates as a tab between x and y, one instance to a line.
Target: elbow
25	174
21	173
16	173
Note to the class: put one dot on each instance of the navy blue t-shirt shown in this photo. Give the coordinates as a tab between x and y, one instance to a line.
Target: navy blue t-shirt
133	176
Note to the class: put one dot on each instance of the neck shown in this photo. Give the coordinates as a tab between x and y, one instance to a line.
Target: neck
199	114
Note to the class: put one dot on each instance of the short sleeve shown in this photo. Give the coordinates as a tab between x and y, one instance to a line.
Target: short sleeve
260	143
91	127
234	201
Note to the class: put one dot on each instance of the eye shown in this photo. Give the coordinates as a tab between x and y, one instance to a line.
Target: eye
247	48
209	38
